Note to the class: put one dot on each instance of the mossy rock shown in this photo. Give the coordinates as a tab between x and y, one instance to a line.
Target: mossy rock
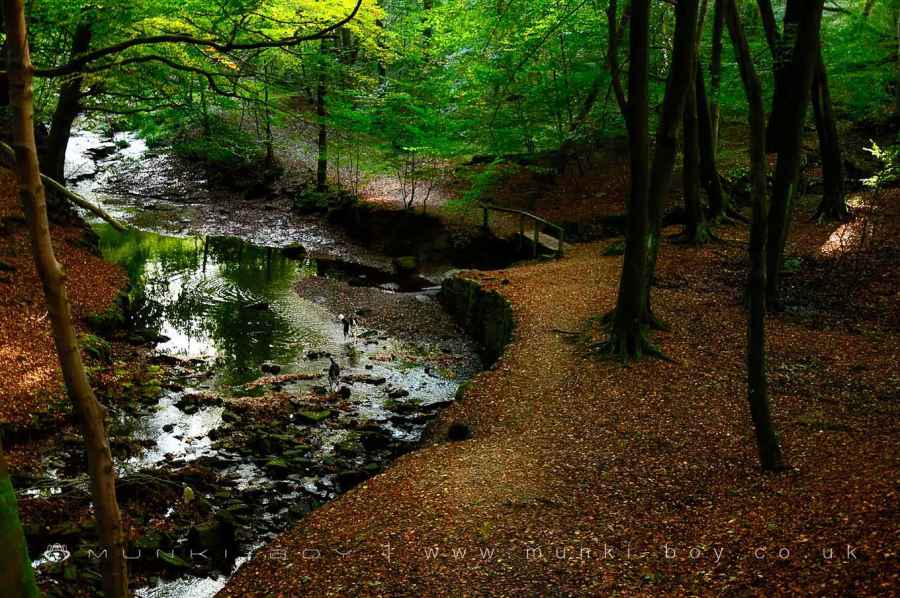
278	467
96	347
172	560
405	264
315	417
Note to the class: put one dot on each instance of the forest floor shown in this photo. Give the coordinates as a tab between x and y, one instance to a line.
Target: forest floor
585	477
30	381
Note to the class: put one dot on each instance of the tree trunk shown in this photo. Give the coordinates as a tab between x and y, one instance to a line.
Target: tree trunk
833	205
782	60
270	151
719	204
322	161
897	68
16	574
695	229
757	385
787	170
90	412
68	106
715	73
683	56
626	334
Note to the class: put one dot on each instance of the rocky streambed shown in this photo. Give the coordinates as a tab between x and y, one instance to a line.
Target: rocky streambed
235	430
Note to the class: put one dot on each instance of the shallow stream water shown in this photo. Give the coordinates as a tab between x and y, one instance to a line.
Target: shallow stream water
224	313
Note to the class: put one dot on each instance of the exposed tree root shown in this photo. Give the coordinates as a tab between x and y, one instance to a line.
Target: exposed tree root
632	345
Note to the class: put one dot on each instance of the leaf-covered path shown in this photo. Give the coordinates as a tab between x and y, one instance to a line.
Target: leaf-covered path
587	478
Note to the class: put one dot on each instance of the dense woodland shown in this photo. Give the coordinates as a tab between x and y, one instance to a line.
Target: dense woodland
732	114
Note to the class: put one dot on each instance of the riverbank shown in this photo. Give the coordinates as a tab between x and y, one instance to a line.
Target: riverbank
587	478
30	381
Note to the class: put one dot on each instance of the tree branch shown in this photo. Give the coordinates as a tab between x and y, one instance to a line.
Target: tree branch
78	65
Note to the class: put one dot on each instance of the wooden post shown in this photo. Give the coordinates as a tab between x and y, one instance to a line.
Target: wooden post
562	236
537	232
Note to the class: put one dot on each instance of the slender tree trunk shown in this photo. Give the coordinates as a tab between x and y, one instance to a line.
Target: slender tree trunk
612	54
321	113
757	385
695	229
626	334
270	151
16	574
833	205
683	57
787	171
715	73
719	204
90	412
68	106
897	68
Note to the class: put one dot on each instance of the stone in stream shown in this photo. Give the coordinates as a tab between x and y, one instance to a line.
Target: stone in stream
395	392
215	536
372	379
268	367
278	467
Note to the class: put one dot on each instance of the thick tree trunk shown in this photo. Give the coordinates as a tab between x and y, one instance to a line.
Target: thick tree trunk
695	228
797	87
90	412
719	204
321	113
16	574
68	106
626	334
757	385
833	205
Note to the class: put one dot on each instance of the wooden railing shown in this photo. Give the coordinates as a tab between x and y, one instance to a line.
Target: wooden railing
539	225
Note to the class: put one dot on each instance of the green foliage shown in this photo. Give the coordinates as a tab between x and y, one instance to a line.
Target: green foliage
96	347
889	173
408	89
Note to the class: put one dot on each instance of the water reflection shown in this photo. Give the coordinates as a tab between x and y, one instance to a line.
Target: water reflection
218	297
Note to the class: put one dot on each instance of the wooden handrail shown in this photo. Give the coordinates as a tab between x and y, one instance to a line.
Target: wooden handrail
487	207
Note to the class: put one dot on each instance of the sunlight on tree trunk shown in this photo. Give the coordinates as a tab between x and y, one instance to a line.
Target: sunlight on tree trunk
90	412
833	205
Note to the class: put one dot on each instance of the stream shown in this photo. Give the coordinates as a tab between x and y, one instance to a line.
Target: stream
246	433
